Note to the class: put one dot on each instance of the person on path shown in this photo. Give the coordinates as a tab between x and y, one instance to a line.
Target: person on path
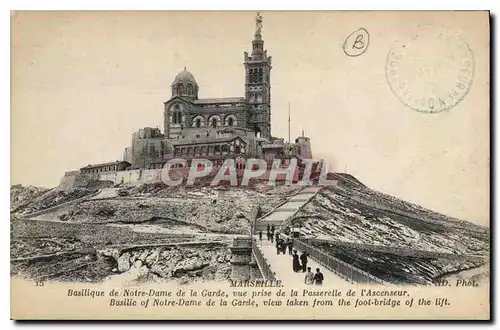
278	246
308	279
303	261
272	228
277	235
272	237
260	235
318	277
295	263
290	247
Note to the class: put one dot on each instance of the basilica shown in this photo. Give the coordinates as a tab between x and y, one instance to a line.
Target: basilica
214	128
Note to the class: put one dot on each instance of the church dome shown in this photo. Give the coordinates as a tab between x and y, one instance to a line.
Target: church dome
185	86
185	77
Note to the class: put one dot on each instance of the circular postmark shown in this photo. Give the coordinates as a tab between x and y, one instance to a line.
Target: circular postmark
432	71
357	42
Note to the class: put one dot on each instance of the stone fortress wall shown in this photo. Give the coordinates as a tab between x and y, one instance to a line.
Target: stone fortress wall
76	179
132	176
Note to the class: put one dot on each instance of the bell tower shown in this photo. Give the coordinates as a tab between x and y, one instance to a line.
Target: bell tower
257	84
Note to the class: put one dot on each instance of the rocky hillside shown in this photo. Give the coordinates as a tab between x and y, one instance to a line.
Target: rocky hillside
400	269
206	208
108	233
82	252
21	196
26	200
360	215
68	261
196	263
391	239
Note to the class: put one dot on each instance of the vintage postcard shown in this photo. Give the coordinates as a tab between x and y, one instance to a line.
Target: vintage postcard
250	165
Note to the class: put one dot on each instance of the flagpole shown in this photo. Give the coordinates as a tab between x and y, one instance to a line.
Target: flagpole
289	122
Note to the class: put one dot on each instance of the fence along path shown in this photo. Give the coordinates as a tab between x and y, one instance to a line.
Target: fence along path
281	266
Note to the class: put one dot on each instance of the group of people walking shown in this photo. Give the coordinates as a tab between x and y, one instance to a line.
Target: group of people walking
270	233
299	263
282	245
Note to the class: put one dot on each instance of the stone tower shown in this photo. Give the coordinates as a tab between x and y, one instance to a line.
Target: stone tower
185	87
257	84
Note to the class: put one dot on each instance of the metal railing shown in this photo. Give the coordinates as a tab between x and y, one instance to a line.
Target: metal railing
341	268
264	267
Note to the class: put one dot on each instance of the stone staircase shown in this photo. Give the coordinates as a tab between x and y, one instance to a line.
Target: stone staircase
286	209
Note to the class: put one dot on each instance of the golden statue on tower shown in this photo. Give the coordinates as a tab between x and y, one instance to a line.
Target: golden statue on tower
258	24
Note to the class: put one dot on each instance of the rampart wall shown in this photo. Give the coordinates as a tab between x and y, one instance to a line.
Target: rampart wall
139	176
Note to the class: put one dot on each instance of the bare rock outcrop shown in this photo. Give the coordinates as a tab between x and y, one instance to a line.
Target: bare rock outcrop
185	264
124	262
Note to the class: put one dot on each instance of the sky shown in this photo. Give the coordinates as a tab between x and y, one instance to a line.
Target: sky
83	82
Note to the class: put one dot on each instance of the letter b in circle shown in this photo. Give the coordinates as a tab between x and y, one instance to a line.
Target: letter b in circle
357	43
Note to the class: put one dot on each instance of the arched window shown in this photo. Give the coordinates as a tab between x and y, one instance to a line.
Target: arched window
198	121
225	148
260	75
180	89
230	120
214	121
257	132
177	116
190	89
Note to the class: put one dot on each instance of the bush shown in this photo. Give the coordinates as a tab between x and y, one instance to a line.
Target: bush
123	192
105	211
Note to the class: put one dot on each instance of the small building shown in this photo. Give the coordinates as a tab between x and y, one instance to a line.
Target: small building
106	167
